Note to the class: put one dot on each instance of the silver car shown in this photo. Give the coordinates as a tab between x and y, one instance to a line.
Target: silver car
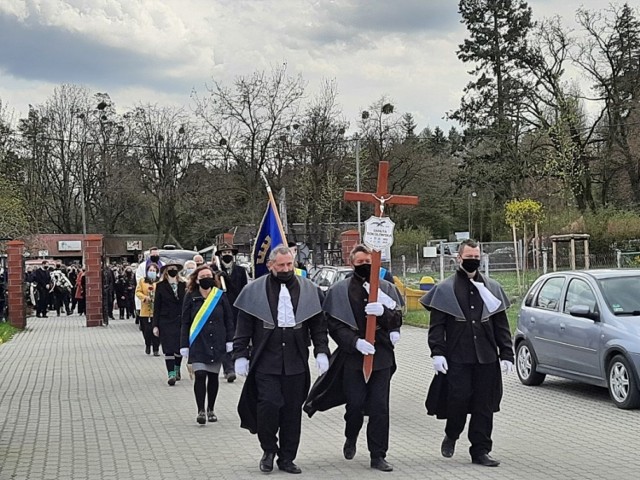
585	326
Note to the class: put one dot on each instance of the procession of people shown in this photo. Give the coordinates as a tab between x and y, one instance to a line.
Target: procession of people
217	320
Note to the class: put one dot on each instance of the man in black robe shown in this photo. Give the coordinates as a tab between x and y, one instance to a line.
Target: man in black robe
278	315
470	343
347	307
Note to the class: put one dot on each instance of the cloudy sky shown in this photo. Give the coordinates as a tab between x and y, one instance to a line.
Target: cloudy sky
158	51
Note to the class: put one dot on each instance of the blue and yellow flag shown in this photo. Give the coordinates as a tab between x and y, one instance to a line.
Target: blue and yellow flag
203	314
270	235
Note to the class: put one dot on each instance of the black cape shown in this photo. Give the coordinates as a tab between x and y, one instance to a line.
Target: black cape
443	297
327	392
253	300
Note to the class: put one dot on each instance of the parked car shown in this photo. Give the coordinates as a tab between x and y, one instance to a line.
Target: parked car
585	326
327	275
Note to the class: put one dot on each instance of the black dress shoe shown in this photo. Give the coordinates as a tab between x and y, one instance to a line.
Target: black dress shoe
448	447
288	466
381	464
266	462
231	377
349	449
485	460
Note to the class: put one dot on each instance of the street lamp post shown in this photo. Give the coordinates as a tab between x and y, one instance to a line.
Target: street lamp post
471	196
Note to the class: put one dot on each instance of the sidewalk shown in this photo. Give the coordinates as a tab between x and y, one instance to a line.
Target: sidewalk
87	403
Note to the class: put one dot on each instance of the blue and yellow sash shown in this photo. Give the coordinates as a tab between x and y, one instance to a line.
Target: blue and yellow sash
300	272
203	314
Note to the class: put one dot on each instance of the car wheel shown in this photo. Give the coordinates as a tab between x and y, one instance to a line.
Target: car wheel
623	388
526	365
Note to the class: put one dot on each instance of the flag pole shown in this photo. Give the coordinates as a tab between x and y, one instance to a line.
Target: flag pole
275	208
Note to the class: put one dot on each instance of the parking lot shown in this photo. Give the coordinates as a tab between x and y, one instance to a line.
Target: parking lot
86	403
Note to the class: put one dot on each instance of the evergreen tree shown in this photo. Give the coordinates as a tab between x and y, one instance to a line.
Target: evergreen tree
491	109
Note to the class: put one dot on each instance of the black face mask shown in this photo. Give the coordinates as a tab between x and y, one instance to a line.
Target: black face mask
154	258
172	273
282	277
227	258
206	283
470	264
363	271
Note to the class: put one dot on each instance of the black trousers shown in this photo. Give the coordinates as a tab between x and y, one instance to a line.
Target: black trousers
471	388
371	398
280	400
150	340
42	304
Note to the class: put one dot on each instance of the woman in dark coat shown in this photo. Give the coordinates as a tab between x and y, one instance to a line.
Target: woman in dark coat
167	311
207	334
121	294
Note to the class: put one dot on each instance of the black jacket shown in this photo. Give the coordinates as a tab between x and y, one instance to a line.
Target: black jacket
167	306
209	345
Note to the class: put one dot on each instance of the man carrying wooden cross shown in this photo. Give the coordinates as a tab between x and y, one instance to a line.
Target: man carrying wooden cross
347	307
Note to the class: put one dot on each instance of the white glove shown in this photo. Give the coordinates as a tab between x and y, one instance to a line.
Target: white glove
507	366
184	352
365	347
156	331
322	363
374	308
440	364
394	337
242	366
229	346
383	298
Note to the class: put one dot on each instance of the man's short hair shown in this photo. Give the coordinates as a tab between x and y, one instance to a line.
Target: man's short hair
361	247
280	250
469	242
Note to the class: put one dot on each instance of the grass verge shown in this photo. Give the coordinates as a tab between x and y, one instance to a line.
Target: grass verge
6	332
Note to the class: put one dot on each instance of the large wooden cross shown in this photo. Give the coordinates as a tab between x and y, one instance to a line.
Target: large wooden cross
380	199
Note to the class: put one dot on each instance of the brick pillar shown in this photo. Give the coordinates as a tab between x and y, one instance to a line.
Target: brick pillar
93	262
15	284
348	240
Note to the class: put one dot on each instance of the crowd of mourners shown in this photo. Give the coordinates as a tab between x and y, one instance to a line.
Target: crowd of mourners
211	318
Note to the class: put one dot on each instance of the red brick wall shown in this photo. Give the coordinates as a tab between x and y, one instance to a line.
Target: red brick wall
93	262
15	284
348	240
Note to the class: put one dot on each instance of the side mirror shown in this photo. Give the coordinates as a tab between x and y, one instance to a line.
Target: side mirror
584	311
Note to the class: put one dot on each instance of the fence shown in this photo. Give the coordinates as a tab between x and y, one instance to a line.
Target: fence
500	257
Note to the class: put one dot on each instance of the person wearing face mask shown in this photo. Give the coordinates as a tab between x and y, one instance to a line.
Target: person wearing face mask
189	268
141	271
470	343
129	292
145	293
167	312
206	336
235	278
279	314
347	307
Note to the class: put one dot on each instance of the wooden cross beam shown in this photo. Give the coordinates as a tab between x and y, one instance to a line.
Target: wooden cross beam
380	199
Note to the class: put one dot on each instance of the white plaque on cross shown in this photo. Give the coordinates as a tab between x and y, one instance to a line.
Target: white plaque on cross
378	233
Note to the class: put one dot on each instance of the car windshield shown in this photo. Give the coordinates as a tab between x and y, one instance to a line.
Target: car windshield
342	274
622	294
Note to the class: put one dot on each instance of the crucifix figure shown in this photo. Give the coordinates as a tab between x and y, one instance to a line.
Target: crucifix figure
380	198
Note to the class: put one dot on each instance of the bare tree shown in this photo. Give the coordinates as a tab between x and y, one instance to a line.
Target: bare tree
246	121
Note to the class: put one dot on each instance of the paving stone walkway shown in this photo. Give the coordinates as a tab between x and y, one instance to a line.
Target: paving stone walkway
87	403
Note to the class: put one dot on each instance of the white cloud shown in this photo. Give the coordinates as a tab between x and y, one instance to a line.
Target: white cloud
157	51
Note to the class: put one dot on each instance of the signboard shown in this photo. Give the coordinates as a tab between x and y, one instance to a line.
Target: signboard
461	236
429	252
69	246
134	245
43	253
378	233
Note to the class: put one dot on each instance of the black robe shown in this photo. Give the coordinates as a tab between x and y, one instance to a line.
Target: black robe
443	298
310	325
327	392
